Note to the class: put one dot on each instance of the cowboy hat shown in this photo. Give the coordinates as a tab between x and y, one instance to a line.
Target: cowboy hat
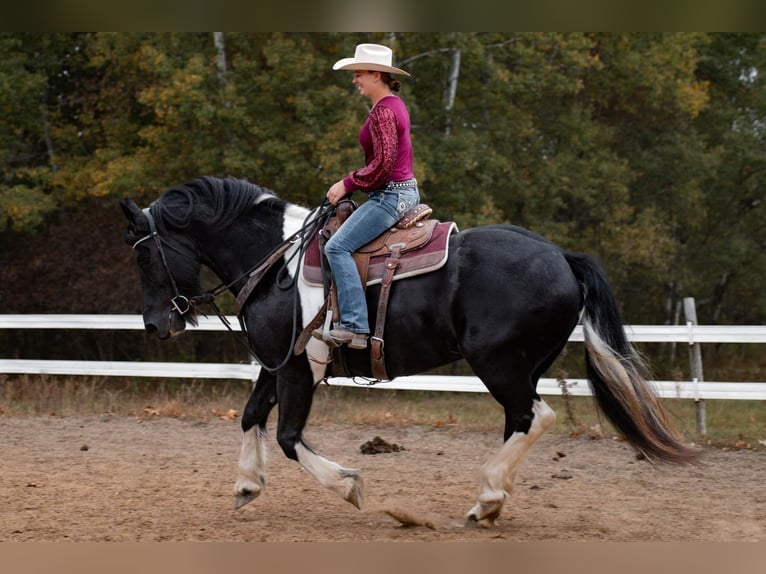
370	57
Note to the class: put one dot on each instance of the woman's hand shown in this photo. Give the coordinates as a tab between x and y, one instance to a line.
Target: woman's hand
336	192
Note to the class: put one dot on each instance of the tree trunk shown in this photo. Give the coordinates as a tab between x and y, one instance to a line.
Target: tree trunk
220	55
450	90
47	130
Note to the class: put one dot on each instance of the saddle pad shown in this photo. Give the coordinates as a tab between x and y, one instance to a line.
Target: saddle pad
430	257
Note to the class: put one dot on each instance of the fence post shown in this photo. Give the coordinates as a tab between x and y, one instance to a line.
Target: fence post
695	360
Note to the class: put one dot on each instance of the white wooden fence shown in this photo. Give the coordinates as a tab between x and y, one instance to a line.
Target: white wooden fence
689	334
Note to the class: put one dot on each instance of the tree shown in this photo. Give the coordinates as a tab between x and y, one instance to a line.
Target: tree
727	252
646	90
643	148
36	71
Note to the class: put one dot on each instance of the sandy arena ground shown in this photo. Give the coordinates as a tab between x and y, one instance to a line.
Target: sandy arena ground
163	479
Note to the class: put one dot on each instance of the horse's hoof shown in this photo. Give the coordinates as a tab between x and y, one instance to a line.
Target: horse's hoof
243	498
473	521
247	492
485	512
354	490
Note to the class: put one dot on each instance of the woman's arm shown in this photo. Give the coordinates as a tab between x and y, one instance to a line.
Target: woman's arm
385	147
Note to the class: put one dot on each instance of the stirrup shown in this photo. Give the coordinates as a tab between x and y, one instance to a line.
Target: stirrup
324	336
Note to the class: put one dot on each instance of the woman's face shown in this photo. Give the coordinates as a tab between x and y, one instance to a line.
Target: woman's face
365	81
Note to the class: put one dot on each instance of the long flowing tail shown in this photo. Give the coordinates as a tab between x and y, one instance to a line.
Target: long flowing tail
617	374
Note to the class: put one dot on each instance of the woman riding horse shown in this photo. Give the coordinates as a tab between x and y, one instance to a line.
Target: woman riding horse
387	178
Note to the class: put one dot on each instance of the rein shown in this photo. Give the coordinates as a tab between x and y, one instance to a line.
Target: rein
258	271
183	304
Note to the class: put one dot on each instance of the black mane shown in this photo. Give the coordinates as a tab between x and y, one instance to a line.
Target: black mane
216	201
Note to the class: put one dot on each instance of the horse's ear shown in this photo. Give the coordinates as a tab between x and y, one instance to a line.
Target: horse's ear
130	209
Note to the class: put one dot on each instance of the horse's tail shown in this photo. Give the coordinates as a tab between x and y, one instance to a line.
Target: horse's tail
617	373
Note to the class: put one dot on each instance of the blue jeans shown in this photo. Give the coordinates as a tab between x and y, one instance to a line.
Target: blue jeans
383	209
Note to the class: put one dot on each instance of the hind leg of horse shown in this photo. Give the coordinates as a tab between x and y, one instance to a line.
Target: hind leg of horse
294	406
527	417
251	472
498	474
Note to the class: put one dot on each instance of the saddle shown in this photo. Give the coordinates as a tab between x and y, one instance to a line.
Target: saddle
415	245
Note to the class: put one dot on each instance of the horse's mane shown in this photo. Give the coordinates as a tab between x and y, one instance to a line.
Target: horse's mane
216	201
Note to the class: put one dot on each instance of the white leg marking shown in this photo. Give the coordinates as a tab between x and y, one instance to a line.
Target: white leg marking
251	475
499	472
344	481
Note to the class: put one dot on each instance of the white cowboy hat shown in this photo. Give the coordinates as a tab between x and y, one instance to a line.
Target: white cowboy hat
370	57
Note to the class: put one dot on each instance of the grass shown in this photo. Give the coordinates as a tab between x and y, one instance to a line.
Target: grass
730	424
44	395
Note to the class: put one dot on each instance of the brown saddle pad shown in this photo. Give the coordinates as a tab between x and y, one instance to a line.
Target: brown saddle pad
431	254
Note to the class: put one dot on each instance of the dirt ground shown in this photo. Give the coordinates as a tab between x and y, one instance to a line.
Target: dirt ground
162	479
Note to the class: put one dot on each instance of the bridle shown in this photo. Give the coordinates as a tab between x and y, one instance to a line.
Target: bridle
183	305
180	303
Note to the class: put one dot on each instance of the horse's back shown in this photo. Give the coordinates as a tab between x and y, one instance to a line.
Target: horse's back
502	286
510	258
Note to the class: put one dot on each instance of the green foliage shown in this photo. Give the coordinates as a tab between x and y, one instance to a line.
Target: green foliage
643	148
727	253
23	205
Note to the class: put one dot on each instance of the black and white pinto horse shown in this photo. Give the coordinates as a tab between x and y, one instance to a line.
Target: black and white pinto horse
506	301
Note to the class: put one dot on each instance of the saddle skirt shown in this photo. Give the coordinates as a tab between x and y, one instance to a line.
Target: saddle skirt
424	247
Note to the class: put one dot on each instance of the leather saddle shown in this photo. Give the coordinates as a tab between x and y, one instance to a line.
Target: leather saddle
415	245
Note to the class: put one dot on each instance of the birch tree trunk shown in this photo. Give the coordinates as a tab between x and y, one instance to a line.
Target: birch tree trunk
220	55
450	90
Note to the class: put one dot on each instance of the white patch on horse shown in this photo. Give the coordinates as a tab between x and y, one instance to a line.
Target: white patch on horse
252	464
311	297
499	472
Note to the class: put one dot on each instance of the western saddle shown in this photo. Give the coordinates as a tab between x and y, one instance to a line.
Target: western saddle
399	252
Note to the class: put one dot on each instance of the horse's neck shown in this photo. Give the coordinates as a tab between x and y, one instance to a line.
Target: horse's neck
241	247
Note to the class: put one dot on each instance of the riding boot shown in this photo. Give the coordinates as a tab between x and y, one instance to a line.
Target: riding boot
340	336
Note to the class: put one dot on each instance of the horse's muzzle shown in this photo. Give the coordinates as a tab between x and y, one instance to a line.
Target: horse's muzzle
165	327
152	329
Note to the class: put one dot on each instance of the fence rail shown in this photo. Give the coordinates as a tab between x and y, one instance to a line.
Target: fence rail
641	333
689	334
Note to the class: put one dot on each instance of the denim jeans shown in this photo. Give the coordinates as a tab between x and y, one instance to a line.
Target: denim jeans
383	209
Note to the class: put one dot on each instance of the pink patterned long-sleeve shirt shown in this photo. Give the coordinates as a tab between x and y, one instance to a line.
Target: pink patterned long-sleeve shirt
385	139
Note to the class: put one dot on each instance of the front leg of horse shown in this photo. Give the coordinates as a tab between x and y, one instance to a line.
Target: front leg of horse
347	482
498	474
295	393
251	471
